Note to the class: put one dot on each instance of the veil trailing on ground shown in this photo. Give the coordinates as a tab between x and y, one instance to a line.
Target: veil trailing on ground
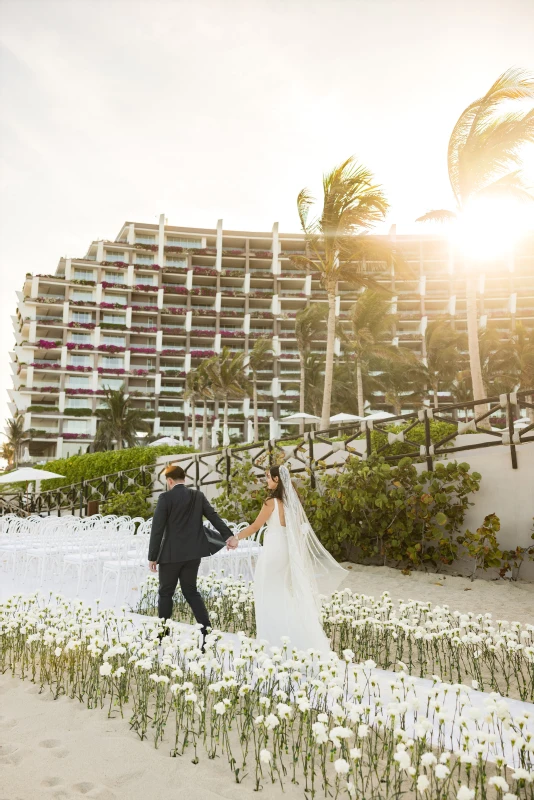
313	570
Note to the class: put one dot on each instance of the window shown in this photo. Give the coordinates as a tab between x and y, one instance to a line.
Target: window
115	319
78	295
112	256
115	363
80	361
145	238
81	316
79	382
175	261
182	242
77	402
76	426
114	277
112	383
84	275
115	298
142	259
150	280
80	338
119	341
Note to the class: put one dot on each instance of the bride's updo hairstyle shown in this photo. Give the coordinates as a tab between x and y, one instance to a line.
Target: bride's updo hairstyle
274	472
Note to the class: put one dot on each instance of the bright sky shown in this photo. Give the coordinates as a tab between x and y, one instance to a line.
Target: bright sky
115	110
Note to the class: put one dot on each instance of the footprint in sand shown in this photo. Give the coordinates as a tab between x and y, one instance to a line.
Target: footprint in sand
7	722
51	782
93	790
11	754
55	746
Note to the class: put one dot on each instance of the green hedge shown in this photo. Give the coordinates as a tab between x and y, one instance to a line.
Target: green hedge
94	465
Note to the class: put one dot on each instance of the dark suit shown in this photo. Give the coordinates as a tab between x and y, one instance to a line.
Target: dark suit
177	543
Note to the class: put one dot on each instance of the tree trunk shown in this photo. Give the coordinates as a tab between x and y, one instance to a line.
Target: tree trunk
359	384
193	422
435	392
205	427
302	397
329	364
226	432
255	406
472	336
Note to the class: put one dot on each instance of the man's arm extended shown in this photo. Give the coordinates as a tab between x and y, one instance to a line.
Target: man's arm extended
159	522
210	513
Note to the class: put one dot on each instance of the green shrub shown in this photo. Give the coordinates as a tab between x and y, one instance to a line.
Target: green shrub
241	498
376	512
132	504
482	545
95	465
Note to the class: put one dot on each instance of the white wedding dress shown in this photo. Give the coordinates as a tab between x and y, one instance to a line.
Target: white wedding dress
285	580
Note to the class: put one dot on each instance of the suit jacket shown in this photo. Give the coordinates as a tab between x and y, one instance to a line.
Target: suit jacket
177	536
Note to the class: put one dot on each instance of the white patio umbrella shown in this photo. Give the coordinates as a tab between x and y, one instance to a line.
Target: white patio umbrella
170	440
298	416
380	415
28	474
346	418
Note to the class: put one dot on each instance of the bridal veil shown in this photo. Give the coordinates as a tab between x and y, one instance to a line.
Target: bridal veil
311	565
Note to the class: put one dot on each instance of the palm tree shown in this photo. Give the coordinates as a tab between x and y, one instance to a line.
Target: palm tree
309	323
371	320
314	378
193	391
523	360
206	393
401	378
15	435
496	361
118	422
7	452
484	160
256	360
226	372
443	345
352	204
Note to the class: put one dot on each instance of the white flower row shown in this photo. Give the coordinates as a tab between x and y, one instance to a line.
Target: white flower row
496	654
278	714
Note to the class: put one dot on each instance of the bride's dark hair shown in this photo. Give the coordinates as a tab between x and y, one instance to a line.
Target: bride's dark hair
274	472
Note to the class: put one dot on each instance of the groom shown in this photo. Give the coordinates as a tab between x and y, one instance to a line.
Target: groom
178	542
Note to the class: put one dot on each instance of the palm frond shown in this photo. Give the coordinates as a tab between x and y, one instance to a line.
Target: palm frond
440	215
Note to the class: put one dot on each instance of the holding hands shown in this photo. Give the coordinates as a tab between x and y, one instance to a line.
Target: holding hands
232	543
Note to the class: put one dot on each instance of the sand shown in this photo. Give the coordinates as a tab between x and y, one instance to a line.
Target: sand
510	600
58	749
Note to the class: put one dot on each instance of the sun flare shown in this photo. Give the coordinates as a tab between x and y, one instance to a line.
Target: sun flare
489	228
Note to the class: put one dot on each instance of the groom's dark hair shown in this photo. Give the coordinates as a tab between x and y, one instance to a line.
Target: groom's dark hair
175	473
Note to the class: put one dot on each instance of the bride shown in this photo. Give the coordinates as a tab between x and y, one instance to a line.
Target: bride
292	570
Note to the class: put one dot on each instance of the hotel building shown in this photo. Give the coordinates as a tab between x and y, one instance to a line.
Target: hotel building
143	310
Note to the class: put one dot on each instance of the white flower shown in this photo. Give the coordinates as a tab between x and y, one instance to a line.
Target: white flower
428	759
402	758
57	652
499	783
441	771
355	753
422	783
265	757
106	669
465	793
271	722
341	766
219	708
509	796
